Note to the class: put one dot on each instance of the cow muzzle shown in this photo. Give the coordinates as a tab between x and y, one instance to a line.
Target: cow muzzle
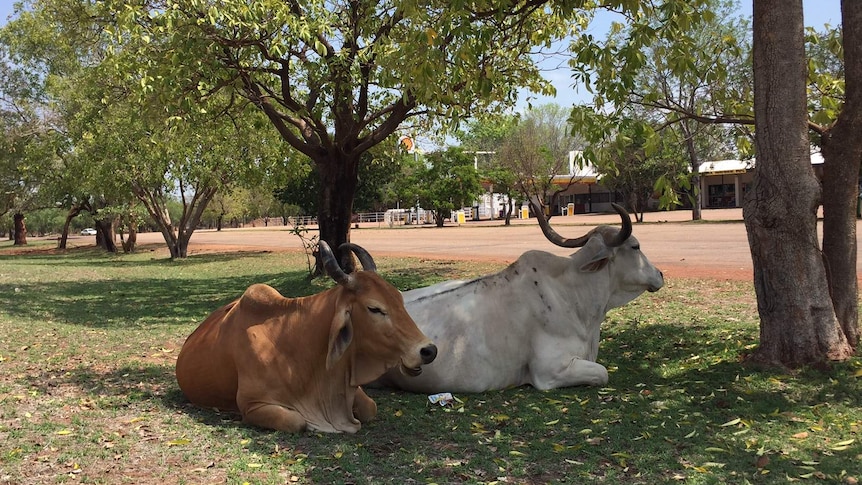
427	354
656	285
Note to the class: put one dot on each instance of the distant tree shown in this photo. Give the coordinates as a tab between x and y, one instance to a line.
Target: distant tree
685	85
485	137
537	152
447	181
633	163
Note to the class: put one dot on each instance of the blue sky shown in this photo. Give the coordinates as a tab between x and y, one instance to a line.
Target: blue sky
817	13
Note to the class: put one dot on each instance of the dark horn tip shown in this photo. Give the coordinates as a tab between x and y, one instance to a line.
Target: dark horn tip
626	229
365	259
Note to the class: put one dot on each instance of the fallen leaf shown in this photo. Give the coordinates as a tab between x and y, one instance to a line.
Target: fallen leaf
762	461
179	442
800	436
732	422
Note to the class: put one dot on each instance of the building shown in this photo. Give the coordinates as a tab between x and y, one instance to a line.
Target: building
723	184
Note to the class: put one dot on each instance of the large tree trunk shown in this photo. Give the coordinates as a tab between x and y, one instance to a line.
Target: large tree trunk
19	229
797	321
105	235
842	154
338	180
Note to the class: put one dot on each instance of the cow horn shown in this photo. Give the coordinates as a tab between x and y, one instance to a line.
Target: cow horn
559	240
625	230
552	235
364	257
331	265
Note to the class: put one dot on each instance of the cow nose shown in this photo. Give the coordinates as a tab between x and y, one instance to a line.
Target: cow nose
428	353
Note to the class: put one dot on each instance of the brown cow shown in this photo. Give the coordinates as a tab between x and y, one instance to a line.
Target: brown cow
297	363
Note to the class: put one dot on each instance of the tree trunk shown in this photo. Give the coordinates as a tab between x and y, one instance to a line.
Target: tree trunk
74	211
338	180
797	321
105	235
695	197
694	163
842	155
129	244
20	229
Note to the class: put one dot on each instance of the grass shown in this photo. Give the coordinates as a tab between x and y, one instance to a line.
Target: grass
87	393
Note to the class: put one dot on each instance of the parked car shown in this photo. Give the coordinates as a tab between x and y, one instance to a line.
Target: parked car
88	232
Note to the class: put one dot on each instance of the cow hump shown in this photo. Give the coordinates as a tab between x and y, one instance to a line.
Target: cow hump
259	297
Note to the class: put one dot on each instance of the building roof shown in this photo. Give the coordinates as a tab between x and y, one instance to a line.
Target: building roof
584	172
725	167
728	167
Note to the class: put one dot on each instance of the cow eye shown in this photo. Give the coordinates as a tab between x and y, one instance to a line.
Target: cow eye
374	309
636	247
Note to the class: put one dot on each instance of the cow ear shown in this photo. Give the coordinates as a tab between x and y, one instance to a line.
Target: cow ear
340	336
594	265
599	258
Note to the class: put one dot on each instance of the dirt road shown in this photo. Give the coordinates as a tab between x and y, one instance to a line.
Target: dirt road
717	248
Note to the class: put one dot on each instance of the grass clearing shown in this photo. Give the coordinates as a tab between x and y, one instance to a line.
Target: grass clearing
87	392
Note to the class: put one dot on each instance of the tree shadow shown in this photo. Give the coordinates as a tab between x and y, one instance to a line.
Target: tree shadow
172	298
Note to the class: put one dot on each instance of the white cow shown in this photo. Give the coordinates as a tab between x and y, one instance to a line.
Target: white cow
536	322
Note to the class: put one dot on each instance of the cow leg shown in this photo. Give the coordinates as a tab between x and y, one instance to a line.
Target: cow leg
364	408
577	372
273	416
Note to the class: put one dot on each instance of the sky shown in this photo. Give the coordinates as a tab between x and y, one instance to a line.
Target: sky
817	13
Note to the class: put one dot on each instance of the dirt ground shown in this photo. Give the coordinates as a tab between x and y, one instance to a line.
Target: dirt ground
717	249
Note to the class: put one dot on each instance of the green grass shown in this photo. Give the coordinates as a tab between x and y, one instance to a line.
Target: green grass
87	393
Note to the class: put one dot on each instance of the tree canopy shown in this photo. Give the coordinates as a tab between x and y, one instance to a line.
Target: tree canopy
335	78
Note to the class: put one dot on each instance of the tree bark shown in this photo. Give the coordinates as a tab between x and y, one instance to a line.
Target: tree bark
338	181
797	321
105	235
19	229
842	155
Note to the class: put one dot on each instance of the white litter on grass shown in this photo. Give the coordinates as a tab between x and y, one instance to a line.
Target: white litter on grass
442	399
